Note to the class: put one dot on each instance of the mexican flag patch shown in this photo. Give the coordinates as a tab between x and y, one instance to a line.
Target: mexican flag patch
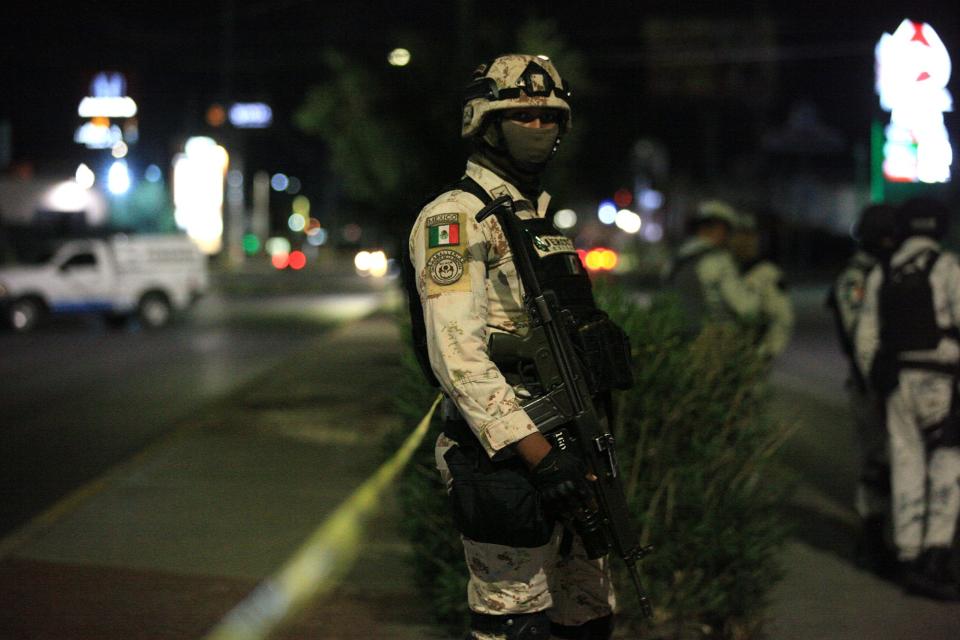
443	235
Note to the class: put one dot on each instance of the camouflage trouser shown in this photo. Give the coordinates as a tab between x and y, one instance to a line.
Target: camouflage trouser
925	481
506	580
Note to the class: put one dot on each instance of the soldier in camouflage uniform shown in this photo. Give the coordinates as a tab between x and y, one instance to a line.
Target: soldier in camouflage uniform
875	234
908	339
764	277
528	579
705	275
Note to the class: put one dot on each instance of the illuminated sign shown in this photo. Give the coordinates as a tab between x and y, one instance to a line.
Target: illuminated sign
251	115
913	68
198	175
108	98
108	85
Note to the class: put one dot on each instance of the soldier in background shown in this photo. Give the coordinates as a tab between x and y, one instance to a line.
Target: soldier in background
908	339
766	278
875	234
705	276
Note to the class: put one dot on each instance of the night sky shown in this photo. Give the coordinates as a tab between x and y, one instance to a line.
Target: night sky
173	56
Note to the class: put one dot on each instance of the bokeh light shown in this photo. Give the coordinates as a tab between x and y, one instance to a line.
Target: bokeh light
297	260
317	238
118	178
277	245
628	221
251	244
153	173
607	212
565	219
85	176
301	205
297	222
279	182
623	198
399	57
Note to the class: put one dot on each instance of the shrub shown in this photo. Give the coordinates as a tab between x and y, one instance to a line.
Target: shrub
437	555
699	460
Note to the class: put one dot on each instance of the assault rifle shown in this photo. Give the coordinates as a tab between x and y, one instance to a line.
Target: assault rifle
565	411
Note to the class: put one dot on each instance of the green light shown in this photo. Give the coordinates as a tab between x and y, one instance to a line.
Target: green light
251	244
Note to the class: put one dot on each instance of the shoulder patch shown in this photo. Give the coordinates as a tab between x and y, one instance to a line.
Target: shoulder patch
446	259
445	267
443	230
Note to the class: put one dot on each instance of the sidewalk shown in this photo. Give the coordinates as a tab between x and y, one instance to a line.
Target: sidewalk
166	544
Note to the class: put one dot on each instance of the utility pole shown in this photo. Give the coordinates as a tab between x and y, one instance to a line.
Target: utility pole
234	201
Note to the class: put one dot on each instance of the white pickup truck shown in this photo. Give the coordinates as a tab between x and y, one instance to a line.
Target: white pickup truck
121	277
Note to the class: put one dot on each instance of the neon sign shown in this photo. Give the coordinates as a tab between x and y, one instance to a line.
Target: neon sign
913	68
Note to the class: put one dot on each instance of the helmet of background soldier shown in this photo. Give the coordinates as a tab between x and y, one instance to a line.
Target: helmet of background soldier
922	217
513	81
716	210
876	230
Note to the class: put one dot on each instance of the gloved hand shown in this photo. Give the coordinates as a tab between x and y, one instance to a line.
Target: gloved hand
562	483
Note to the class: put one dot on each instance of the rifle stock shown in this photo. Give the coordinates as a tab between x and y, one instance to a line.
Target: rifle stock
566	411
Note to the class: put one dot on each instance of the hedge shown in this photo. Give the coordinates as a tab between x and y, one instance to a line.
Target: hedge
699	455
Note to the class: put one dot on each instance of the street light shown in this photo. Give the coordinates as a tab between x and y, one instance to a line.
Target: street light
399	57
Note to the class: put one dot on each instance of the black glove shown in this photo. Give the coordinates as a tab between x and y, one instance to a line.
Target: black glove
562	483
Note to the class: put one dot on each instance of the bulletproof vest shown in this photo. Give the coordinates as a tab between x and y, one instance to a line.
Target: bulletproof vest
685	282
908	319
559	268
601	346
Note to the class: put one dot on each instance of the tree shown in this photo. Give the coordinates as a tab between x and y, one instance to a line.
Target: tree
392	133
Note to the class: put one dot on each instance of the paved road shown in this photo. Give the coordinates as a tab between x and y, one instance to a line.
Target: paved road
77	398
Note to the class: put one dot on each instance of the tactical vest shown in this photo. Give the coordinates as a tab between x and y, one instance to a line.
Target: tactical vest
685	282
908	319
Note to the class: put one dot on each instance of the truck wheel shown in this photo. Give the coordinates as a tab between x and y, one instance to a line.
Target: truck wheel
25	314
154	310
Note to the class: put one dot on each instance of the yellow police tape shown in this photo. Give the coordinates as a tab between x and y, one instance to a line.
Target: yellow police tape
320	563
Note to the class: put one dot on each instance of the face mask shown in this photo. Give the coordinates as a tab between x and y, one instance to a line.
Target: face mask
529	147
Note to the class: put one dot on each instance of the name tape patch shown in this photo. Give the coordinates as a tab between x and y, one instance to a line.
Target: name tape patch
549	245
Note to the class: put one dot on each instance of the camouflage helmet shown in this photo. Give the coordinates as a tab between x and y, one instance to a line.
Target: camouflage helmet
513	81
717	210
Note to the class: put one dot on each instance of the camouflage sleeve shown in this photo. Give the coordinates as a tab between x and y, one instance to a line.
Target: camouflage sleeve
866	338
739	298
767	279
448	249
951	268
850	290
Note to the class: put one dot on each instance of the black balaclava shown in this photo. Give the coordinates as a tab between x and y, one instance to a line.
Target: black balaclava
516	153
